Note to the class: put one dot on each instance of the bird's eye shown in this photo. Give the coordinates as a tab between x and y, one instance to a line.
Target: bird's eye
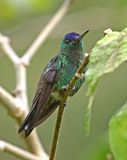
66	41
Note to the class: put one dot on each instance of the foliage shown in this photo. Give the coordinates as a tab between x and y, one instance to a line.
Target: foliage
108	54
118	134
10	11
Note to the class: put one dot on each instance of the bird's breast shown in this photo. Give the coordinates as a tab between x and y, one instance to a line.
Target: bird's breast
65	76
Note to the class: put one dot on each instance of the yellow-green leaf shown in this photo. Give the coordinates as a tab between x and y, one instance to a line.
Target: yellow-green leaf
108	54
118	134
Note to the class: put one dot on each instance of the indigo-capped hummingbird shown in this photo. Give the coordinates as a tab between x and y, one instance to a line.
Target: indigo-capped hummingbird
53	82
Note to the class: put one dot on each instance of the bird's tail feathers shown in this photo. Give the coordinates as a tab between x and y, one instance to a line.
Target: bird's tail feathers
26	125
26	128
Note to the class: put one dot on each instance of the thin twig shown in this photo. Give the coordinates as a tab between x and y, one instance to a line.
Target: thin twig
21	153
34	144
77	76
56	132
46	31
21	85
5	45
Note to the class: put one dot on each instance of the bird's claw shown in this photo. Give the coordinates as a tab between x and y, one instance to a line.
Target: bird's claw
80	76
65	88
64	104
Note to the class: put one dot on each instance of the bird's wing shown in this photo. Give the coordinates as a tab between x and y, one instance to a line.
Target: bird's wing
45	86
47	112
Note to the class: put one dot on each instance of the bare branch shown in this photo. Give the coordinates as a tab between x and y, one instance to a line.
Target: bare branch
13	105
16	109
46	31
21	85
34	144
14	150
4	42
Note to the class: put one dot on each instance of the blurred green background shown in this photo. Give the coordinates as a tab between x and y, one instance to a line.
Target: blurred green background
22	20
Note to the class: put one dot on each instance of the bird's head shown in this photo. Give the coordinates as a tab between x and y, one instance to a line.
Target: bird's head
72	40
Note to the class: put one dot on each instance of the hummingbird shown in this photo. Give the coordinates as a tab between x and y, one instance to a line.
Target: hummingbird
53	81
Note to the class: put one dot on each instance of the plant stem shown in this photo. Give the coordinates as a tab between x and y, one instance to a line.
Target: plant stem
56	132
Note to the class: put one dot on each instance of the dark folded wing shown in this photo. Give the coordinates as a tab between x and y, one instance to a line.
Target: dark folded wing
44	89
47	112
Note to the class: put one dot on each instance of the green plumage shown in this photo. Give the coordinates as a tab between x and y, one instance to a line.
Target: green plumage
55	77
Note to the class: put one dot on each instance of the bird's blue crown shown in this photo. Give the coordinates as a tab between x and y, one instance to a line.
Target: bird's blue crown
71	36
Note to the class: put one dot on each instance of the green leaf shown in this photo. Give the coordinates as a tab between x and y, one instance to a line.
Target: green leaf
88	115
108	54
118	134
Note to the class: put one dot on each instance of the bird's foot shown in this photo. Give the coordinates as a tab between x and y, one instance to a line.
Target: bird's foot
80	76
65	88
64	104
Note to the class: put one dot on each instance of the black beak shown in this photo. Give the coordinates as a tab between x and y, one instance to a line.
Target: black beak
81	36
